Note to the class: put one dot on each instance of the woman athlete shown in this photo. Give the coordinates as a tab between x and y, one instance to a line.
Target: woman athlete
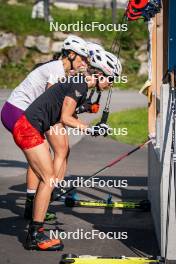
56	105
73	58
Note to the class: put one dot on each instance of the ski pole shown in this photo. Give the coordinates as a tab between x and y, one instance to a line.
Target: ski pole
110	164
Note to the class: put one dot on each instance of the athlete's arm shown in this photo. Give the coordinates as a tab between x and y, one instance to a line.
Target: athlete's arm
68	110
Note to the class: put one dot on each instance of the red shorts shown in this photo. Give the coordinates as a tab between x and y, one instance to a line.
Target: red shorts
25	135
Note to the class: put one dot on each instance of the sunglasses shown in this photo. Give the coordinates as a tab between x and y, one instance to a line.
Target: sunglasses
98	72
85	59
111	79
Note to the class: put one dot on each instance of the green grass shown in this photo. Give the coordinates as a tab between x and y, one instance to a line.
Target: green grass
135	120
17	19
15	75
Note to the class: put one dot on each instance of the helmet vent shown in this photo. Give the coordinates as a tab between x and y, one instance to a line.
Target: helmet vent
110	65
109	57
98	58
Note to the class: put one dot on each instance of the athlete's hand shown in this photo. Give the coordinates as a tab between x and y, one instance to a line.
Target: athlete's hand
98	130
83	108
152	136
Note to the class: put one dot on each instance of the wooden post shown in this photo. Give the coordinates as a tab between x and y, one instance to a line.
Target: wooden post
159	51
152	88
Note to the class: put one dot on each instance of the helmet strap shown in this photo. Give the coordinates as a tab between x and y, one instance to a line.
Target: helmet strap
97	85
65	54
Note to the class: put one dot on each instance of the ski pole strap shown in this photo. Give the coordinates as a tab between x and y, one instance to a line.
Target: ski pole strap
91	95
95	106
98	98
88	105
89	99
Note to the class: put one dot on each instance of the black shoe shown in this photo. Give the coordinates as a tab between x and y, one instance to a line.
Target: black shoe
50	216
37	240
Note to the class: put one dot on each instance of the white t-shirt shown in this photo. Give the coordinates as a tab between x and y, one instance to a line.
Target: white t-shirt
35	84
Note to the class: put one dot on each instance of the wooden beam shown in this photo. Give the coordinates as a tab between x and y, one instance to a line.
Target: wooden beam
152	88
159	52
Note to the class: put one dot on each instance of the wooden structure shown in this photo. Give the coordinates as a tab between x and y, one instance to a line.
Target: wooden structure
162	191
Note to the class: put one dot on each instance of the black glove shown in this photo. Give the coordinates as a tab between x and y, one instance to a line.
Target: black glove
88	107
98	130
83	108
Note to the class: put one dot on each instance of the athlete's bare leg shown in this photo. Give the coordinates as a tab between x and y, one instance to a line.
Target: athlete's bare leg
32	179
41	162
60	146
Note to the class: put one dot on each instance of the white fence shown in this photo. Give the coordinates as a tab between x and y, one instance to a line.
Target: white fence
161	180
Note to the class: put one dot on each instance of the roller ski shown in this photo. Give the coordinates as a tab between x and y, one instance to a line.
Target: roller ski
70	258
37	240
74	201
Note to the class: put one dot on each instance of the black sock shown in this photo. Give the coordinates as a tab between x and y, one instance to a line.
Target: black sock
30	196
36	225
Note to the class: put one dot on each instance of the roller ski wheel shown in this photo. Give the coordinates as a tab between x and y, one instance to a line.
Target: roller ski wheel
145	205
68	258
69	201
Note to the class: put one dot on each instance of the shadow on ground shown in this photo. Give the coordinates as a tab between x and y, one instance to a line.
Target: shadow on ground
12	164
137	224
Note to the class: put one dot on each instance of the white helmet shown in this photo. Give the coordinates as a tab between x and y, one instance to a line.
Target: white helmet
94	48
106	62
76	44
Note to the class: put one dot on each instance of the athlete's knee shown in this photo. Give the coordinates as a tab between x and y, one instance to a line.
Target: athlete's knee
48	178
62	151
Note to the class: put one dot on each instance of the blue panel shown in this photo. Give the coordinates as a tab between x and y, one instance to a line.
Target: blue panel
172	35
